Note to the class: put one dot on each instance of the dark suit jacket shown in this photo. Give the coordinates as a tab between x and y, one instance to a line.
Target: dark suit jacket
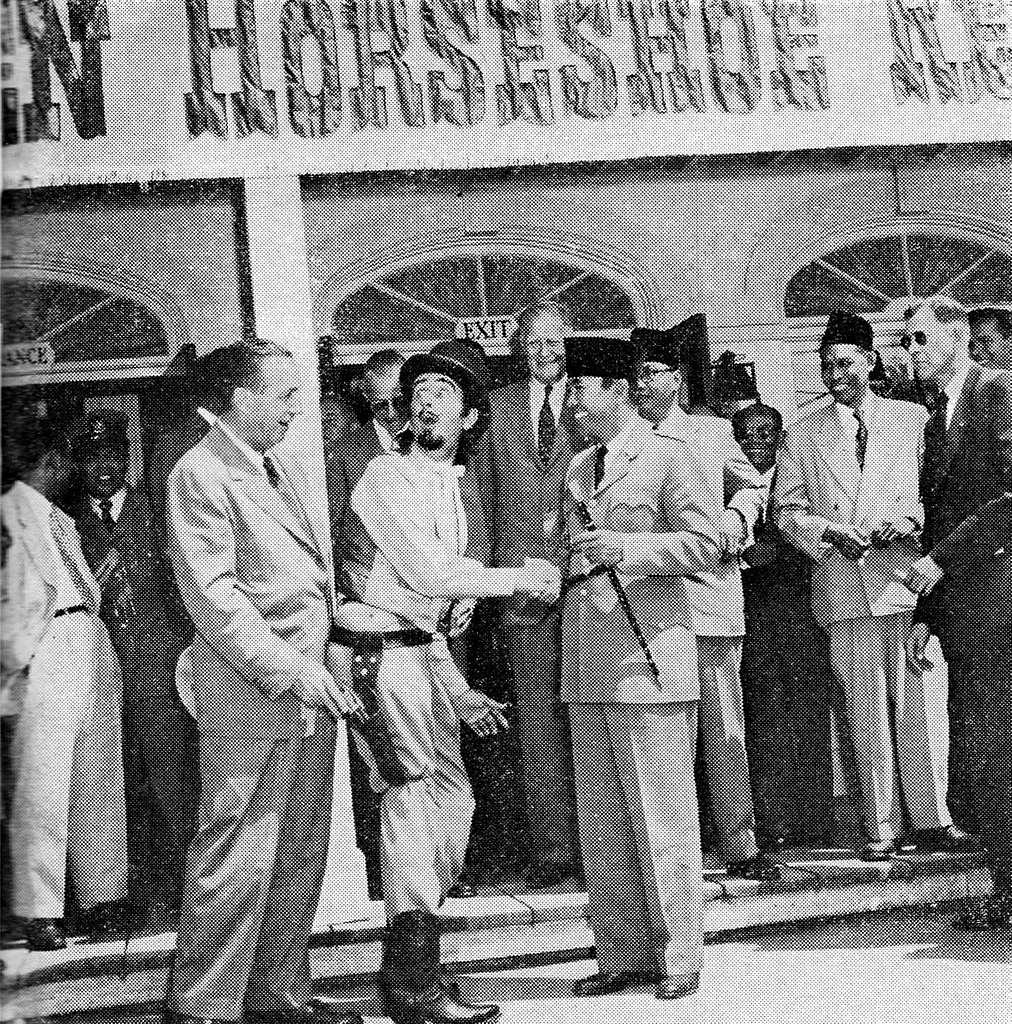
975	468
521	494
140	605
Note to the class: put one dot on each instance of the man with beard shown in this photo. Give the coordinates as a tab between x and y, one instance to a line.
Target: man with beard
408	569
967	463
715	596
847	495
641	519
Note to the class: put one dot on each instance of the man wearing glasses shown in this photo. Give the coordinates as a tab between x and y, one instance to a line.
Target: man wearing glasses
967	464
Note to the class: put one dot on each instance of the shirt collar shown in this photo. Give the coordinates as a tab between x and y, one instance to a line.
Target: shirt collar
117	501
955	386
385	437
625	439
847	414
430	467
256	458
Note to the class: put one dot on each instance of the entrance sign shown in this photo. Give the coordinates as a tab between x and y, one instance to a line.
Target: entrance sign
105	90
27	357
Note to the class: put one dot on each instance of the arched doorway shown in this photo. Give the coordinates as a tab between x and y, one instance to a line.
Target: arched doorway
878	273
475	291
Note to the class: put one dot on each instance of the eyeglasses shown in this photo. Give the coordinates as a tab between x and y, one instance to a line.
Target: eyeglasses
647	374
918	338
395	403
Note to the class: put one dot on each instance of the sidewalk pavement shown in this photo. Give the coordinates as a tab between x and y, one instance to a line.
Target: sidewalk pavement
509	929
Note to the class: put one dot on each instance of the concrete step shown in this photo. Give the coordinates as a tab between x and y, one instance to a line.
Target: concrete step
495	930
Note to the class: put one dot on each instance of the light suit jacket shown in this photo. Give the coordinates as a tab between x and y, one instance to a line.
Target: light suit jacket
655	491
256	582
716	598
30	579
818	482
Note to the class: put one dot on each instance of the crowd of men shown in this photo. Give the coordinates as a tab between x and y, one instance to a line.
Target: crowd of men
675	595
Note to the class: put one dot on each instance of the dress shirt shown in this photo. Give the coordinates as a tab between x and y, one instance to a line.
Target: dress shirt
68	594
954	389
117	505
555	399
385	438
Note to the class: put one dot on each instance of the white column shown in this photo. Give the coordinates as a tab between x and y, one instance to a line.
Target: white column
282	308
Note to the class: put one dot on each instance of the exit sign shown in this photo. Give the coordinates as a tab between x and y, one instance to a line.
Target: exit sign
485	328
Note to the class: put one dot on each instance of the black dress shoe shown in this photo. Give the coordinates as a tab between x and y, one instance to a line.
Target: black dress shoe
759	868
106	921
318	1010
544	873
605	982
44	934
952	839
674	986
464	889
992	913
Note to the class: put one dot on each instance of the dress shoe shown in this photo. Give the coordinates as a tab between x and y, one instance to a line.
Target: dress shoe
318	1010
605	982
544	873
45	933
759	868
674	986
463	889
988	914
886	849
106	921
952	839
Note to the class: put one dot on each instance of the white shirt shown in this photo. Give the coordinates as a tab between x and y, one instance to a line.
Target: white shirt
117	505
385	438
555	399
954	389
848	418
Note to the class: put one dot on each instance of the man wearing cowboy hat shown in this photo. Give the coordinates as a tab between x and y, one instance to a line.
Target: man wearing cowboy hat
409	569
847	494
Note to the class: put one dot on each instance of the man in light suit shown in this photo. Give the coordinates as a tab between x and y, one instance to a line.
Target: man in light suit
62	681
520	464
715	597
847	494
256	582
967	463
633	713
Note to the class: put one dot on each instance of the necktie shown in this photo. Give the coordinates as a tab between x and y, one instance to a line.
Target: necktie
546	426
105	505
65	547
286	494
599	456
861	441
934	440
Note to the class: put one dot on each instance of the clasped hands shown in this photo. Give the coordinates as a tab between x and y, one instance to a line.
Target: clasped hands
852	541
539	579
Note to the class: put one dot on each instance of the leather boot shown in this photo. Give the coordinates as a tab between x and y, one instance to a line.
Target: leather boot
410	981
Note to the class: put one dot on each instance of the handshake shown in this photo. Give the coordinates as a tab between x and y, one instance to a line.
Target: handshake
539	579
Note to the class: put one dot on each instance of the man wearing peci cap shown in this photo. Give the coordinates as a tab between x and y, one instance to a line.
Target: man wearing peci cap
847	494
740	492
640	519
408	569
149	629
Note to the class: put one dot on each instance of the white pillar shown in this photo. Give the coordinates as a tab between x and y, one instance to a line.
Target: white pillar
282	308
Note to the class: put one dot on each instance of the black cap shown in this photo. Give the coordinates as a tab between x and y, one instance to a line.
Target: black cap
670	347
848	329
102	430
453	359
611	358
733	381
1003	317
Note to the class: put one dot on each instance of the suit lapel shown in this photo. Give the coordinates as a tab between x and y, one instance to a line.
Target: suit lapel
880	454
524	423
832	448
